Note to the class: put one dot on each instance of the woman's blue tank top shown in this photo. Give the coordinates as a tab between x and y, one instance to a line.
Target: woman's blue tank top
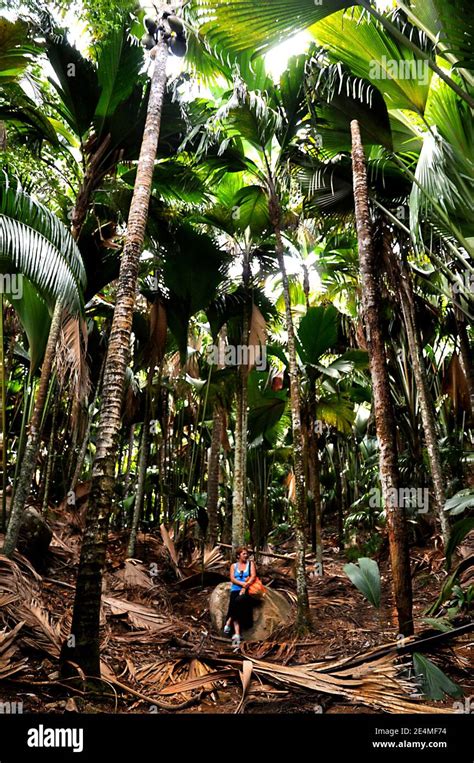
242	575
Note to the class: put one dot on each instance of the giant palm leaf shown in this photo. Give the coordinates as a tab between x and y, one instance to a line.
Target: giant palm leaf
118	67
106	95
35	243
338	97
192	268
451	22
367	50
240	25
76	83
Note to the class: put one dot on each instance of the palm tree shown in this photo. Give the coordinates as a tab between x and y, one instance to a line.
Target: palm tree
384	418
84	650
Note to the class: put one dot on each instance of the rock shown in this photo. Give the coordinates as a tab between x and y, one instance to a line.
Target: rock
272	612
34	538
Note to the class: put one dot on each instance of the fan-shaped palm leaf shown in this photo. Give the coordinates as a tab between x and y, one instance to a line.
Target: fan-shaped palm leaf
35	243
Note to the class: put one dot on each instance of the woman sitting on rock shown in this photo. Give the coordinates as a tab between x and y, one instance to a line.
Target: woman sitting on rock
242	575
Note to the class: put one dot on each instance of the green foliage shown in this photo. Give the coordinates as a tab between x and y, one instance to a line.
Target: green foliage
266	408
460	502
35	243
192	268
234	27
457	534
16	50
317	333
434	683
366	578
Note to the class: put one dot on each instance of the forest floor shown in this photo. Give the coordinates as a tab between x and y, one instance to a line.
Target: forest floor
156	632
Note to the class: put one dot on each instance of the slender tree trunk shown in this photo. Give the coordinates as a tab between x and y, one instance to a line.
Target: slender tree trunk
51	455
131	442
87	434
139	495
315	482
309	472
384	417
213	472
315	479
424	396
466	355
240	462
226	535
92	178
303	621
28	464
82	647
239	506
341	494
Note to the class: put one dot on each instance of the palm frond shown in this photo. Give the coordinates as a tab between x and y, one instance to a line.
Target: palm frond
35	243
244	26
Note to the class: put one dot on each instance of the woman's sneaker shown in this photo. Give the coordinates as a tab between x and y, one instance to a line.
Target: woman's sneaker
235	641
227	630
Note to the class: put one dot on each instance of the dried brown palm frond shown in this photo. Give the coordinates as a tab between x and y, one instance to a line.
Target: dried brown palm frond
377	684
18	577
155	350
181	679
168	541
212	560
41	631
141	637
154	673
257	337
71	356
134	574
8	650
20	588
140	616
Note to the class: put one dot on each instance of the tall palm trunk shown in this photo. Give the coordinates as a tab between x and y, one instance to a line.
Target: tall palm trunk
131	443
303	620
83	645
140	494
213	470
85	440
28	463
239	503
50	461
314	474
384	416
424	396
466	356
213	466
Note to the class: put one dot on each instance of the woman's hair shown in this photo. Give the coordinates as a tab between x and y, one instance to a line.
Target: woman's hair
239	550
